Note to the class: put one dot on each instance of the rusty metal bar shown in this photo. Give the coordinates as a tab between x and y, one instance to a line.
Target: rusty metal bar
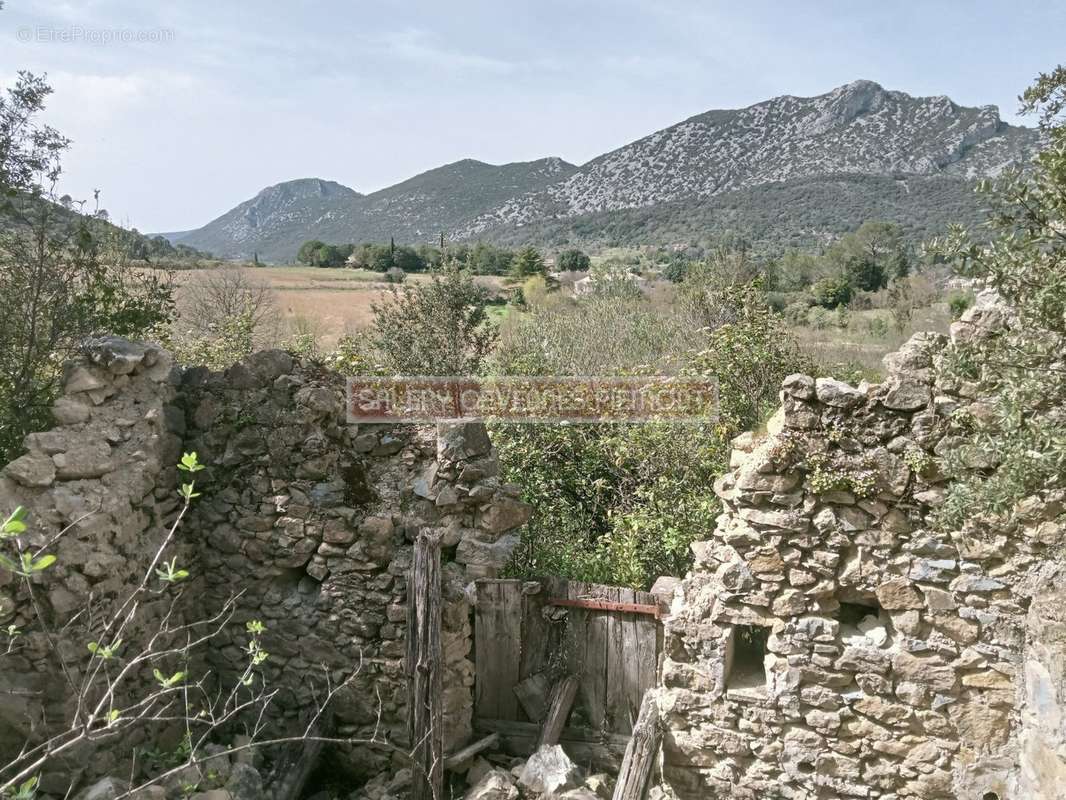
607	605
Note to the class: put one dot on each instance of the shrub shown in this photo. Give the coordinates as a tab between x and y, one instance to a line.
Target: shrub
435	328
796	312
620	503
819	318
832	292
876	327
958	302
1022	442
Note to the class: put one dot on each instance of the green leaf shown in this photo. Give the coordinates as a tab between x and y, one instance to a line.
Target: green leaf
14	524
190	463
165	682
254	627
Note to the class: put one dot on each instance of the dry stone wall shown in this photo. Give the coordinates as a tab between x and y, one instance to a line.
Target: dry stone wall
102	476
314	520
308	519
831	643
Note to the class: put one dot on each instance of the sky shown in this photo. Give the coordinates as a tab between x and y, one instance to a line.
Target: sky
181	109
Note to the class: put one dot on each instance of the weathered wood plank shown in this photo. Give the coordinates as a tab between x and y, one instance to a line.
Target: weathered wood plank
593	669
498	647
587	748
534	696
621	677
645	659
640	752
459	757
562	700
425	668
535	630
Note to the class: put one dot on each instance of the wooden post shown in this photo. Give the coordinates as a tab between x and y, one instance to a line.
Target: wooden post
460	757
562	699
640	752
425	669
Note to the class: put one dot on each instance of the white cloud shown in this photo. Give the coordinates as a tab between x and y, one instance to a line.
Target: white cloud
413	44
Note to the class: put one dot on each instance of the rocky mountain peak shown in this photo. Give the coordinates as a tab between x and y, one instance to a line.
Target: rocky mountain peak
857	130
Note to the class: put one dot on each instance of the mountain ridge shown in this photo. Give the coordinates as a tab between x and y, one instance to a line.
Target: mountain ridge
859	129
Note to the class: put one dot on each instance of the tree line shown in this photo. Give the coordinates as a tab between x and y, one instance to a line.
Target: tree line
478	258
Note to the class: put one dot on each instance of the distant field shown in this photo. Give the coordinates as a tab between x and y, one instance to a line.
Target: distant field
861	345
332	302
328	302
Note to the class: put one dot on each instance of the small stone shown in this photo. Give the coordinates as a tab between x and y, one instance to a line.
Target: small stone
600	785
32	470
549	771
504	514
104	789
496	784
337	531
447	496
973	582
244	782
458	441
212	794
84	461
938	599
82	379
69	411
790	602
897	595
925	670
799	386
837	393
906	395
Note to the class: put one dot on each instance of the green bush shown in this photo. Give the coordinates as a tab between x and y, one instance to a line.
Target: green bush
832	292
1019	447
796	312
958	302
621	503
819	318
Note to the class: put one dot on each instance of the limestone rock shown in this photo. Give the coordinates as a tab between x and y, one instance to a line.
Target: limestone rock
69	411
799	386
212	794
495	784
906	395
925	670
90	460
119	356
837	393
486	554
458	441
504	514
32	470
244	782
83	379
104	789
549	772
898	594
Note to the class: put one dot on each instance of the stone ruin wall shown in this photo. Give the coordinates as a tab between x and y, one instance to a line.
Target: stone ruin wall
950	684
310	518
830	643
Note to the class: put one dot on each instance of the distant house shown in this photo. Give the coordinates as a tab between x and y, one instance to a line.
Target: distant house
587	284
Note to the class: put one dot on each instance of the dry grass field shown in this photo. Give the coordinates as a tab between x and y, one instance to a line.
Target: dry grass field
326	302
330	303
